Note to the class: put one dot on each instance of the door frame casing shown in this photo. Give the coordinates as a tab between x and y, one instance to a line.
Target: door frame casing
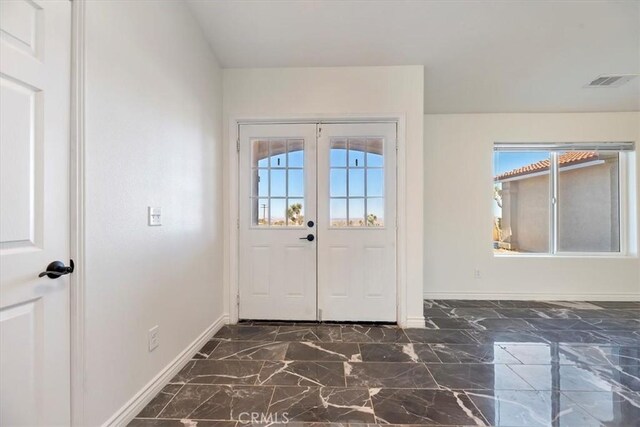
76	211
232	256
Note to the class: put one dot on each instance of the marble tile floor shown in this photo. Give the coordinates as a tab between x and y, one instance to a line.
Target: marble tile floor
496	363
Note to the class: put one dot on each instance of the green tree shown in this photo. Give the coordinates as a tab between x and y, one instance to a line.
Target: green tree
294	213
372	220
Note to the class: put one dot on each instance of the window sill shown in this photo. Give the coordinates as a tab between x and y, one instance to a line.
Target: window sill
569	255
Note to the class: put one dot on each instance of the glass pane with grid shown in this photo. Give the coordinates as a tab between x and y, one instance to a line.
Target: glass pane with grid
356	182
278	182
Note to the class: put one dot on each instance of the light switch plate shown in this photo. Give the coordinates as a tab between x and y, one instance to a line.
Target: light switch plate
155	216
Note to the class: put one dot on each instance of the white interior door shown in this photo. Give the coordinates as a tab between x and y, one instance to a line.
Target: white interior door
357	222
277	214
35	39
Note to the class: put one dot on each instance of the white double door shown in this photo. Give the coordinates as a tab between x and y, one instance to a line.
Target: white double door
35	44
317	222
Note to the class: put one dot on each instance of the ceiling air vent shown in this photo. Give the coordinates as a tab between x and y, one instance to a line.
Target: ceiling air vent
611	80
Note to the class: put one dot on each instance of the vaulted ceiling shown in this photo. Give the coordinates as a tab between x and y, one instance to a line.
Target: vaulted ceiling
479	55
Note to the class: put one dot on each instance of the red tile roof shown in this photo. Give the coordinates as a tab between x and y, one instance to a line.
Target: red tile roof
566	159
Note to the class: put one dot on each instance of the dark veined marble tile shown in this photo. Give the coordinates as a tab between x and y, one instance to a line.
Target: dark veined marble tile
464	303
343	352
154	407
522	408
388	374
248	332
575	337
573	354
309	333
523	304
472	353
218	372
609	313
618	304
573	305
561	324
217	402
448	323
474	313
364	333
424	407
501	337
408	352
512	325
323	404
206	349
519	313
611	409
449	336
250	350
613	355
435	312
477	377
615	324
150	422
304	373
628	338
579	377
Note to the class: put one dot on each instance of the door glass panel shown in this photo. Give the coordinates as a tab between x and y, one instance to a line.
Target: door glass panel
296	183
374	153
278	212
357	174
295	212
260	153
356	213
357	148
338	154
278	181
338	212
375	212
375	182
338	180
260	183
260	211
356	182
278	154
295	153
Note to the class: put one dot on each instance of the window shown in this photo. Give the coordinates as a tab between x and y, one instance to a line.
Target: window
278	182
558	198
356	182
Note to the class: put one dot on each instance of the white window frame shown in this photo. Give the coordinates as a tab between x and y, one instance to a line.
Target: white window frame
624	149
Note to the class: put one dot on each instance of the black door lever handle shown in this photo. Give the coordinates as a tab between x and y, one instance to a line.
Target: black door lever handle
309	237
57	269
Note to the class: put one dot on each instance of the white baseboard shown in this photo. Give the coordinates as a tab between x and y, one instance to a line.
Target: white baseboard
128	412
532	296
415	322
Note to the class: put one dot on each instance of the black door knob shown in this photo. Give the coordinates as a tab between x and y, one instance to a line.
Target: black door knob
57	269
309	237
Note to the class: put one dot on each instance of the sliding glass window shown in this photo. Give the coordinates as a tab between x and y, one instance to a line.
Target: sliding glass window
558	198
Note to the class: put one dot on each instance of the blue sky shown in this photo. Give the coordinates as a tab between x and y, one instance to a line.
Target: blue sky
504	161
338	179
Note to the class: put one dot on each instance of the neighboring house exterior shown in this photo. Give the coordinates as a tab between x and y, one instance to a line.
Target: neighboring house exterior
588	205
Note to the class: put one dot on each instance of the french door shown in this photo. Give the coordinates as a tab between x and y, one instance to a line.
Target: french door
318	222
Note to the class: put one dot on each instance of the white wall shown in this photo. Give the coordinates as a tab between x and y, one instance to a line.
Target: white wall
458	210
343	91
153	131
